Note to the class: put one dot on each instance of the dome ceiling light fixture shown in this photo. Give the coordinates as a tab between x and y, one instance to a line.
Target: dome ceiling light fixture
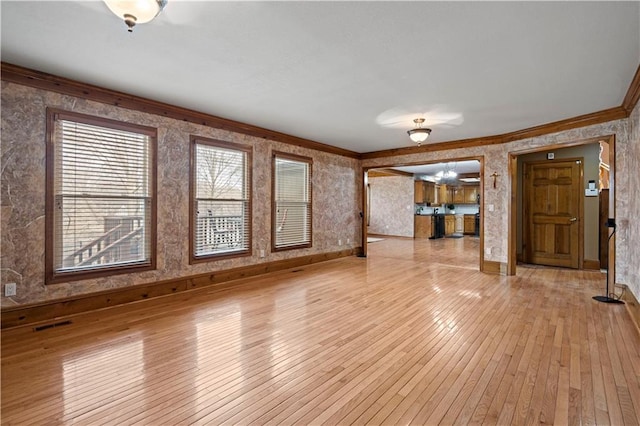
136	11
419	134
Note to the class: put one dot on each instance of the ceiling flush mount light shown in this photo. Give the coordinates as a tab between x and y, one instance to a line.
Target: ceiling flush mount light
419	134
136	11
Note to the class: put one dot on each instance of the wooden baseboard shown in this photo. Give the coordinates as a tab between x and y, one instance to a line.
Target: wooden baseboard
591	264
491	267
15	316
632	305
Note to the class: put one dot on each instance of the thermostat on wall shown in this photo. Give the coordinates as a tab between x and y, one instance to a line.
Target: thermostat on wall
591	191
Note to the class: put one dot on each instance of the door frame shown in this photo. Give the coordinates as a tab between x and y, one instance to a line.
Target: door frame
513	211
525	203
365	182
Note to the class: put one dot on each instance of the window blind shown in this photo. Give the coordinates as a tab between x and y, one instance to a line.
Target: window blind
222	200
102	189
292	203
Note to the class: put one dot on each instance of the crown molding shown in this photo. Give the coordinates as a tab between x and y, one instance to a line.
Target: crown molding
40	80
557	126
633	94
32	78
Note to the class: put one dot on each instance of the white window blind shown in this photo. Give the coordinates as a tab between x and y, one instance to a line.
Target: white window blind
222	222
292	202
102	197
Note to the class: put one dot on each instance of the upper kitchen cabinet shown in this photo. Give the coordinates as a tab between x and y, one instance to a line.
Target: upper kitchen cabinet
457	195
425	192
471	194
443	194
418	192
463	194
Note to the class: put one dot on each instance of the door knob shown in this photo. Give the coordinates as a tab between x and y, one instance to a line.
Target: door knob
573	219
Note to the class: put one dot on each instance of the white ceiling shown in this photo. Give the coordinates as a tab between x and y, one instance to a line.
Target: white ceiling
333	71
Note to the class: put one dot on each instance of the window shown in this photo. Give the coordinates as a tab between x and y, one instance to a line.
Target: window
220	199
100	197
291	216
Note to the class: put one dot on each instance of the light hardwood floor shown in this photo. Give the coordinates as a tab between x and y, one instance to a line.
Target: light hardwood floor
411	334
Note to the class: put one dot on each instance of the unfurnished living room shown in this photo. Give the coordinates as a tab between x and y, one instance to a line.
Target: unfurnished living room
320	212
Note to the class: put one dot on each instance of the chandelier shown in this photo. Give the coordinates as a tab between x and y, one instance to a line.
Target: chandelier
447	175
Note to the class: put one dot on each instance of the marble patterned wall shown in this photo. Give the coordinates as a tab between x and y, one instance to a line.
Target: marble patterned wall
631	228
336	196
391	206
496	159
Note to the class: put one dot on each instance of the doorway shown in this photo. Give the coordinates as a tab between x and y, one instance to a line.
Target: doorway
418	192
588	223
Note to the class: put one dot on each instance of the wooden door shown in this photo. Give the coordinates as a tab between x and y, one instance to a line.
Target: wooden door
552	213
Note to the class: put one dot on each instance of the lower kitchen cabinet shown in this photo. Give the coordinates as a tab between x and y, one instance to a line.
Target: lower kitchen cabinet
449	224
422	227
459	224
469	224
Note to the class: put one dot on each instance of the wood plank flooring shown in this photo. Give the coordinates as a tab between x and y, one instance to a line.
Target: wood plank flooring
413	334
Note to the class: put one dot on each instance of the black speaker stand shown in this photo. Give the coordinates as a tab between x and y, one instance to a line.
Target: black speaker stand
606	299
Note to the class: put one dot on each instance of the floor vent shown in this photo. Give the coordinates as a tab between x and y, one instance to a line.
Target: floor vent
55	324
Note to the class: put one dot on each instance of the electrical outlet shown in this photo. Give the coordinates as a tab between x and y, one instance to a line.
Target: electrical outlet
261	253
487	251
348	240
10	289
339	242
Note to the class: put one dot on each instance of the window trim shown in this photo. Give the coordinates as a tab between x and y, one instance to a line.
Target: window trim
274	225
248	150
53	277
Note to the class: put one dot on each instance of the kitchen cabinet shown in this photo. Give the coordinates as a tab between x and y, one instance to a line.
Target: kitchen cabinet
429	192
456	195
422	227
449	224
418	192
459	224
425	192
469	224
471	194
443	194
